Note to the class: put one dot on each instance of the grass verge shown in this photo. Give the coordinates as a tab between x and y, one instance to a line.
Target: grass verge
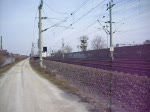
50	75
7	67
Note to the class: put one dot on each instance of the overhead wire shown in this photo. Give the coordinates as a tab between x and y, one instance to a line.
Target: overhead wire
134	29
124	7
34	25
118	5
79	7
96	19
87	13
47	16
54	24
83	29
121	8
129	3
55	10
134	15
73	11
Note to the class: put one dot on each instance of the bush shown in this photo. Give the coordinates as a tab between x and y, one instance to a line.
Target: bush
2	60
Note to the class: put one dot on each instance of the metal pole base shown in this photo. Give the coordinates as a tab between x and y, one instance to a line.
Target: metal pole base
41	64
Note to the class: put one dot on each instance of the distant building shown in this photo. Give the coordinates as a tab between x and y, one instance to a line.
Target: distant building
122	45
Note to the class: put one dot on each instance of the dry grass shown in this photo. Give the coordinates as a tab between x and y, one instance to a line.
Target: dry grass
51	76
63	84
7	67
2	60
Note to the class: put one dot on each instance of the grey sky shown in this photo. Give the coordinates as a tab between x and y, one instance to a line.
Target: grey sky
18	25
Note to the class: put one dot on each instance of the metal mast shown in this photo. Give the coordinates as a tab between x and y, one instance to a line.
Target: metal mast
40	31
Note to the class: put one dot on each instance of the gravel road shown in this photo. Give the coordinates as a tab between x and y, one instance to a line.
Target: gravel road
23	90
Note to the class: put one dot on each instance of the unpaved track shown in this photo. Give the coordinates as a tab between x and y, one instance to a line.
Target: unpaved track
22	90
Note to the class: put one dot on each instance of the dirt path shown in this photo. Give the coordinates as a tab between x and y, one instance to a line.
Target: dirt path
22	90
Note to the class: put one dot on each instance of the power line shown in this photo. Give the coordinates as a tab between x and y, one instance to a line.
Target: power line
34	25
83	29
123	4
124	7
93	23
83	5
134	29
90	25
132	16
75	11
55	25
87	13
79	7
121	7
55	10
71	13
46	16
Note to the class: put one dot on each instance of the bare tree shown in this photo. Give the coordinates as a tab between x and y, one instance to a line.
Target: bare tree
98	43
83	40
67	49
146	42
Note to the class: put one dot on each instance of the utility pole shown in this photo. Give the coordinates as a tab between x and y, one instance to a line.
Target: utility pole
40	31
78	46
32	50
1	47
110	5
111	59
63	44
50	51
111	43
107	40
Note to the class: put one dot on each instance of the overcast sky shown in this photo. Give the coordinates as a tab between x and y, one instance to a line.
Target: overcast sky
19	22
